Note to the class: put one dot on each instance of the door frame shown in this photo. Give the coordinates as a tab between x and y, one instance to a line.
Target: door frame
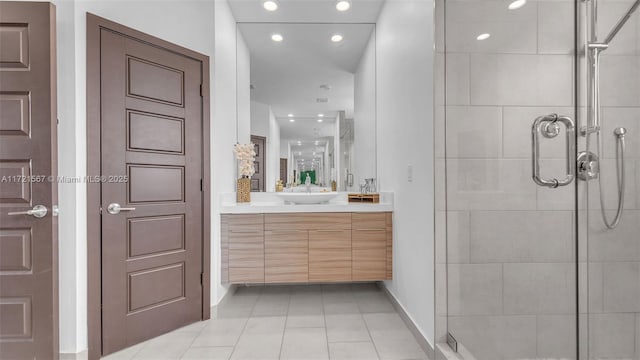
94	229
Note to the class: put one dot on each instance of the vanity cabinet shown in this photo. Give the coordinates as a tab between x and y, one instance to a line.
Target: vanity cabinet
243	248
306	247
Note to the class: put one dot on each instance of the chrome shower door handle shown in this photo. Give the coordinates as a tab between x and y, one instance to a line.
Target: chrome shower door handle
546	125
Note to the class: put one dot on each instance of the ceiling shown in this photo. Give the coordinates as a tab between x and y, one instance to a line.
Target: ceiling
309	11
290	75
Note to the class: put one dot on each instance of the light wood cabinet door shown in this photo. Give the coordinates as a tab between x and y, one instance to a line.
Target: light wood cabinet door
286	256
329	255
246	257
369	254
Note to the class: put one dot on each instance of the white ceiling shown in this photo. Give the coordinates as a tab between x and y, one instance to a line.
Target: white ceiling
309	11
288	75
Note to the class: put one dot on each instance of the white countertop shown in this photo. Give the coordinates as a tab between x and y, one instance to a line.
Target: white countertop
270	203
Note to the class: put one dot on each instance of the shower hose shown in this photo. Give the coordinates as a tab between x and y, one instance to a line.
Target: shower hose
619	133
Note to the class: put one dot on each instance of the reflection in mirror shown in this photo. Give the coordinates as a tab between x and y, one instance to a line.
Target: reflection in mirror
312	116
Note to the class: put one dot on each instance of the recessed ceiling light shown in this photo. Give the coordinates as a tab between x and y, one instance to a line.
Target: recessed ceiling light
336	38
300	153
343	5
320	115
319	120
517	4
270	5
277	37
292	120
484	36
290	115
316	142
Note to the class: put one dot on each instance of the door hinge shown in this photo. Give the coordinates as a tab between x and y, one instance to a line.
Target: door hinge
201	278
201	185
201	92
452	342
58	121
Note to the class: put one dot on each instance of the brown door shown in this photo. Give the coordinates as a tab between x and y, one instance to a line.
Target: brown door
283	170
151	157
28	242
257	180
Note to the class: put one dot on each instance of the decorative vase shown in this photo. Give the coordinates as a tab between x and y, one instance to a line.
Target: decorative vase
243	191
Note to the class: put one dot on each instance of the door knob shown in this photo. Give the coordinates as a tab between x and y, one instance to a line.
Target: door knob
38	211
115	208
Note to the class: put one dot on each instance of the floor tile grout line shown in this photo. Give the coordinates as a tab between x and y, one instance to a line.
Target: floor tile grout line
370	336
193	340
284	330
326	328
244	328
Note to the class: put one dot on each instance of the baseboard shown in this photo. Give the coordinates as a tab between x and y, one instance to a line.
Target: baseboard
420	338
230	291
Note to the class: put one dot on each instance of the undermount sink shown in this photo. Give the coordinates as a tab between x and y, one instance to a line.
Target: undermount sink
307	198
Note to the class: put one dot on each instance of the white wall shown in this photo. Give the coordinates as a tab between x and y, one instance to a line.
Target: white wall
364	118
259	119
273	153
72	303
404	51
263	123
228	124
243	70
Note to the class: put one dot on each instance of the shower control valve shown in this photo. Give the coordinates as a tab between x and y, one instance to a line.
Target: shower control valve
588	166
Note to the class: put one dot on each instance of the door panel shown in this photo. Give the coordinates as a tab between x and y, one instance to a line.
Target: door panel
28	245
151	253
283	170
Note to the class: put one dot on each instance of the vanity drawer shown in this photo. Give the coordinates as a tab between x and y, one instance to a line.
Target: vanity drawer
307	221
245	222
365	221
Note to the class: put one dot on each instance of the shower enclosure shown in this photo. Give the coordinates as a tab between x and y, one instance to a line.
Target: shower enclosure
538	169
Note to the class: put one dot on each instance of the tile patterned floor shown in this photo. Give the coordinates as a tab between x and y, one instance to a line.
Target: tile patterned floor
290	322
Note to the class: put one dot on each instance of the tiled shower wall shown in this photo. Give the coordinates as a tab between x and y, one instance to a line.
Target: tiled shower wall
613	256
506	249
510	249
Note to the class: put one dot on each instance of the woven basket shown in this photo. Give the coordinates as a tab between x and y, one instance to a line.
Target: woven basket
243	192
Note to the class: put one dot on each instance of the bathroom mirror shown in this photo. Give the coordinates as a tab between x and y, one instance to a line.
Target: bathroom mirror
312	103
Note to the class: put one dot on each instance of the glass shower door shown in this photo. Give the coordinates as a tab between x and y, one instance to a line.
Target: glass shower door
610	249
511	249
